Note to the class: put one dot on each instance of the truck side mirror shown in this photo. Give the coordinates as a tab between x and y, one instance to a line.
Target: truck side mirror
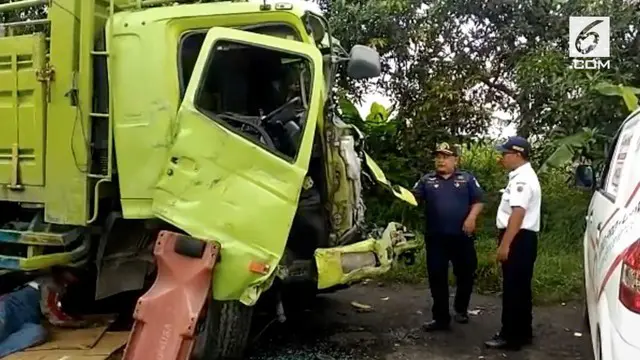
585	177
364	63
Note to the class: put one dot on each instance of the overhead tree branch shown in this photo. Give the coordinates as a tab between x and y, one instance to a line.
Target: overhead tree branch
500	87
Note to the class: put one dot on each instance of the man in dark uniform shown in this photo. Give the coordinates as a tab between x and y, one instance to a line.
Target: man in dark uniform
452	201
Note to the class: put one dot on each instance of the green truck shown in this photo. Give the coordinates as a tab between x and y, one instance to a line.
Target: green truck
122	118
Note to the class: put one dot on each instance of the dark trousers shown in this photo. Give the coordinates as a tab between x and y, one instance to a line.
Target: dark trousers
517	274
461	252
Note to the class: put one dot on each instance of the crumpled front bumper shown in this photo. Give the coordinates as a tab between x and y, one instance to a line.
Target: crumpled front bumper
369	258
41	250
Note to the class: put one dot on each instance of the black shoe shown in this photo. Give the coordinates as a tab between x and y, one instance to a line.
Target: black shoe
433	325
461	318
499	343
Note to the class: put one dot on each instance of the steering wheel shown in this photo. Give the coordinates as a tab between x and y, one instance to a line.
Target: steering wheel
269	117
247	120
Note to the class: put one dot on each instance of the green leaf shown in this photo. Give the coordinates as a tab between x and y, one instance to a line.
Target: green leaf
633	89
608	89
566	149
627	93
378	113
349	111
629	98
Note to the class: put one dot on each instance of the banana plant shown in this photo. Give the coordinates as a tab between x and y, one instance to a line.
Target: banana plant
627	93
349	112
585	142
378	114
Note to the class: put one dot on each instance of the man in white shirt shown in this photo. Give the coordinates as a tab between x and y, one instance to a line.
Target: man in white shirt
518	221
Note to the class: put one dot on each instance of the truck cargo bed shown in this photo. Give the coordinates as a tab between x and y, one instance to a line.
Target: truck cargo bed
22	110
47	106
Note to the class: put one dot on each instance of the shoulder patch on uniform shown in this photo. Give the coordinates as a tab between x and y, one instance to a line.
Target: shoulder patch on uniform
520	188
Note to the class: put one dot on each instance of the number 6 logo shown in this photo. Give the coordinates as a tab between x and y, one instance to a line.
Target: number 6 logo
584	35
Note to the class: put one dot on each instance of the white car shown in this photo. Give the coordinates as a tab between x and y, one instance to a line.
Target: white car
612	248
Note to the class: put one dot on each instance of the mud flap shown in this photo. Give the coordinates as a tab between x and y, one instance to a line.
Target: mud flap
166	316
124	257
368	258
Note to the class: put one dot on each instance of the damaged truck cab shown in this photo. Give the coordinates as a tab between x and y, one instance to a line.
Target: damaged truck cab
122	118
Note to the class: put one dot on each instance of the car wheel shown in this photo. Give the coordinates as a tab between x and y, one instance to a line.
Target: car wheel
225	331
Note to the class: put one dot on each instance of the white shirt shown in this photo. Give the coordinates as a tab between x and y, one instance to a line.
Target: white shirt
523	190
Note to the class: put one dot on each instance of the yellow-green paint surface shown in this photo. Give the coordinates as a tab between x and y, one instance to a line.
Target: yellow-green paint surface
386	249
147	93
36	259
223	187
220	186
339	187
48	130
400	192
22	107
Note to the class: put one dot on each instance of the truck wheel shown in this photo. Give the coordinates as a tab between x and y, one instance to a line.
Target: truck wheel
226	330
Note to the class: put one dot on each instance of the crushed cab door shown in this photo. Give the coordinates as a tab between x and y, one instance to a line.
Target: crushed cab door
228	177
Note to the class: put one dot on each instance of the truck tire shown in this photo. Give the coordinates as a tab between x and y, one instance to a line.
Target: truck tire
226	330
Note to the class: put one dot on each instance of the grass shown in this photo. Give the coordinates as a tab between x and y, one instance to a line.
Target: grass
558	275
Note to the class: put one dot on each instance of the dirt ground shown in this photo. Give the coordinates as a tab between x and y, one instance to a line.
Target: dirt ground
333	329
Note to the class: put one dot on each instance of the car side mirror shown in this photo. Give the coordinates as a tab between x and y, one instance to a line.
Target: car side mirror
585	177
364	63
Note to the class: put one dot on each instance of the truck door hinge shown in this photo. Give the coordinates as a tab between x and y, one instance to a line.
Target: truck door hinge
46	75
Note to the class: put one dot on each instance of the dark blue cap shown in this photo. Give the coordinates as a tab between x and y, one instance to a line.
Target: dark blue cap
517	144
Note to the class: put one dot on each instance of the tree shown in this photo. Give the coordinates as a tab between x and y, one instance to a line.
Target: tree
448	65
506	55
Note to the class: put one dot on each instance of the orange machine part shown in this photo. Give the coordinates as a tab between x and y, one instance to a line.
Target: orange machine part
166	315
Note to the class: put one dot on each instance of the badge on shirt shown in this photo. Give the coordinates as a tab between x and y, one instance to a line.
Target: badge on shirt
459	180
433	181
